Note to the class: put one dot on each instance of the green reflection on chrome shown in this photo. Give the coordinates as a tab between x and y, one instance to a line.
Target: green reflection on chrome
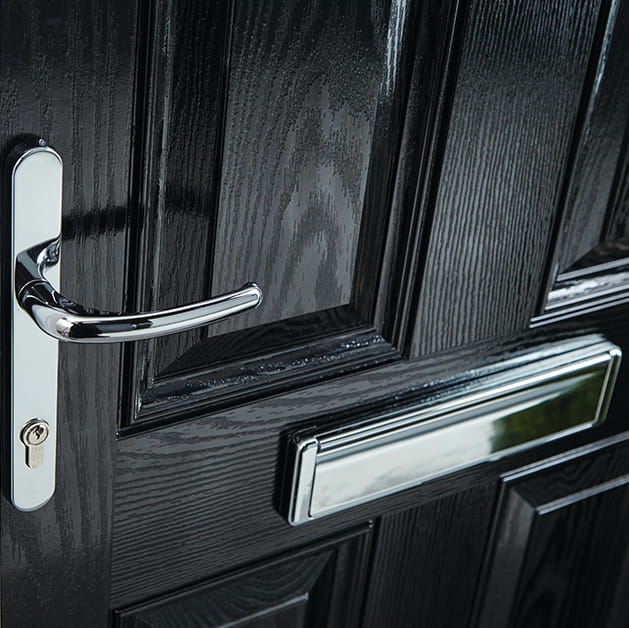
574	402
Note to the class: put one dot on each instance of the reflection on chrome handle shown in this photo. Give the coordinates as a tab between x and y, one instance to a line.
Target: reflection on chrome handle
65	320
36	191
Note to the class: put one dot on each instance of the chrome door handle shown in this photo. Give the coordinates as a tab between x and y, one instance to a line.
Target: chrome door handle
65	320
36	185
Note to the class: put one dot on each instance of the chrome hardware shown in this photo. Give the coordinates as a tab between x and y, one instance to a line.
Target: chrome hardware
34	435
527	406
36	215
64	320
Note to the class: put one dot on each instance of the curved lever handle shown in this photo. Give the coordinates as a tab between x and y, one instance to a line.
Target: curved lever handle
36	191
65	320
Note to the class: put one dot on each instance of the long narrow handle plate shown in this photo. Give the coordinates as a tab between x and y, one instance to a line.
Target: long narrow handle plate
36	208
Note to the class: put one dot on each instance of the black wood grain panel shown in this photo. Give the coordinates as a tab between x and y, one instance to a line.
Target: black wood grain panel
618	223
304	87
559	543
227	383
198	497
522	71
66	74
275	338
619	608
321	586
431	64
427	562
269	595
591	184
589	260
373	121
184	58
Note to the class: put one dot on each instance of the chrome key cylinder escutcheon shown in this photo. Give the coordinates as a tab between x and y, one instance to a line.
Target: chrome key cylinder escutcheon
34	436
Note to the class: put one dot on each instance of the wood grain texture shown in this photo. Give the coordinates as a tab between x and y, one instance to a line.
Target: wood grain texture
618	222
369	120
559	543
250	377
501	172
591	180
194	499
590	251
200	496
416	129
304	88
66	74
619	607
427	561
297	128
319	586
183	58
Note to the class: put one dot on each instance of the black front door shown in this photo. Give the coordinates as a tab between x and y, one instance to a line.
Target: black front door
428	194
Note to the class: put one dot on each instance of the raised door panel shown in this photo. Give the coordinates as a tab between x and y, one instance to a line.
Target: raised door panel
267	150
427	561
320	586
514	117
589	269
559	552
597	187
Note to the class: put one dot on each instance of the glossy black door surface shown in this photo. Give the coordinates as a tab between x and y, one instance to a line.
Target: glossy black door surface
427	193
